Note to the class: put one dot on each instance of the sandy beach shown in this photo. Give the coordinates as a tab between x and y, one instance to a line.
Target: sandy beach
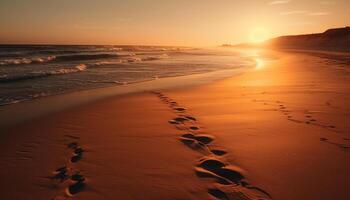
277	131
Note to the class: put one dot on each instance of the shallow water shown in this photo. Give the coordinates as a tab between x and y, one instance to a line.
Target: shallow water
28	72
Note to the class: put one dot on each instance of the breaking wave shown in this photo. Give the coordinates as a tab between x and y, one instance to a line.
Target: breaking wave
41	74
73	57
131	59
20	61
126	57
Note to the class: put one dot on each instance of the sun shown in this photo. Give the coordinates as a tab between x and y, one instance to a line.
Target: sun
258	35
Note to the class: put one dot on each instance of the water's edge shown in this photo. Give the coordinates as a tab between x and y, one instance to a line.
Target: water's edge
15	114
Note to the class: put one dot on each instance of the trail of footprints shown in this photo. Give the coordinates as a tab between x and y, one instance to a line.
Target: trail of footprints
339	145
68	175
308	115
309	119
230	183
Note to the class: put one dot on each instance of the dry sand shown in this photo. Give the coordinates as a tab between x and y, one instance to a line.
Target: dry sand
279	131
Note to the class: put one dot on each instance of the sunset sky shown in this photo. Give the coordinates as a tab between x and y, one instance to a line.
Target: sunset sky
164	22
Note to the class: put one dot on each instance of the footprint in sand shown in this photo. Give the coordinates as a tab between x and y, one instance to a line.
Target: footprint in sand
178	120
77	153
173	103
182	119
180	109
310	121
195	145
77	177
194	128
341	146
190	118
75	188
72	145
219	169
205	139
218	152
282	107
78	185
60	173
173	122
218	194
286	111
199	142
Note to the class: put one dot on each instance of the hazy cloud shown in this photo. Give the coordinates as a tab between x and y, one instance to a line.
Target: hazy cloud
293	12
305	12
279	2
319	13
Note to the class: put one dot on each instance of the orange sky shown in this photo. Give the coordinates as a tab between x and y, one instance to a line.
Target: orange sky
164	22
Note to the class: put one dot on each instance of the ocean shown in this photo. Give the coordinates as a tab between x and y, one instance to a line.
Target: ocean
33	71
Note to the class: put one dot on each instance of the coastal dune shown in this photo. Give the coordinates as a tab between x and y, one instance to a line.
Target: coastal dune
278	131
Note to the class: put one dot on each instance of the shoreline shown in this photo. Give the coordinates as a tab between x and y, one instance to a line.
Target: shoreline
51	104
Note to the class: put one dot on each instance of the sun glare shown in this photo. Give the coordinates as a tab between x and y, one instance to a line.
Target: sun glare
258	35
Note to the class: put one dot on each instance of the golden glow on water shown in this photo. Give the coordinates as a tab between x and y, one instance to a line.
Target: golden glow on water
255	55
260	63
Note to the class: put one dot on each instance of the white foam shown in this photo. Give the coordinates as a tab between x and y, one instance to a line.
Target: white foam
78	68
106	63
20	61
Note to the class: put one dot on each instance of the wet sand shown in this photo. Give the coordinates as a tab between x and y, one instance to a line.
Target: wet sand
279	131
